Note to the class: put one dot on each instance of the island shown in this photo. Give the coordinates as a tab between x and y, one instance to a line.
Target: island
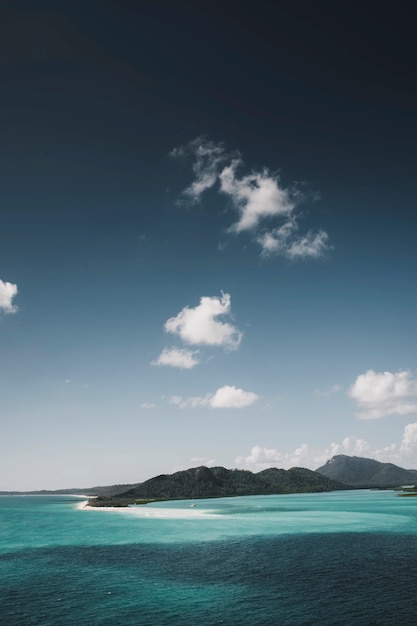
217	482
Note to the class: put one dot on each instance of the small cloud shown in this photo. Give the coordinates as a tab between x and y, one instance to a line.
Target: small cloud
200	325
311	246
147	405
7	292
189	403
231	397
283	241
68	381
176	357
384	393
226	397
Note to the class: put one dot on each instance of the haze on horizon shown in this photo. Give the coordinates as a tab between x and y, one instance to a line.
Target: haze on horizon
208	238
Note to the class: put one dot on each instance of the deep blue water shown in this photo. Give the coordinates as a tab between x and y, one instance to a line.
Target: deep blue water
340	558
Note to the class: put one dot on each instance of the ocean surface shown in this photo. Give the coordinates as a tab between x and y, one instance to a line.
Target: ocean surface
305	559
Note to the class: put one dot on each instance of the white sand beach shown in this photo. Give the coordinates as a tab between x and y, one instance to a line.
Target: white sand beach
147	510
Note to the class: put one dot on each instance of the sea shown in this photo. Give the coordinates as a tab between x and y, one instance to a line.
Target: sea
347	557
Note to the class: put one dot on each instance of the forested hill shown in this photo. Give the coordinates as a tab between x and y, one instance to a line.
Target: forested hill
205	482
361	472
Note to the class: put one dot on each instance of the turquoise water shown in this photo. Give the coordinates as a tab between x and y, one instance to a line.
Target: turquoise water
335	558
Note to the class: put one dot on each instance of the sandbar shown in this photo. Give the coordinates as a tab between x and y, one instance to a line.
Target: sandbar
146	510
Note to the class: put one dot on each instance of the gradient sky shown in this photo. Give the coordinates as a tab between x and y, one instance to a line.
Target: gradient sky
208	237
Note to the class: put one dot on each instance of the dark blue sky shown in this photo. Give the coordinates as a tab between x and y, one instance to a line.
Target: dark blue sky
104	247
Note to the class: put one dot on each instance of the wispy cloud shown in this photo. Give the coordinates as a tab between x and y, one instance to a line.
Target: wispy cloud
318	393
201	325
208	158
7	292
76	384
257	198
226	397
202	460
177	357
147	405
384	393
187	403
284	241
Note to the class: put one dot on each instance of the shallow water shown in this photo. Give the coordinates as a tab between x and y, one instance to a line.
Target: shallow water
336	558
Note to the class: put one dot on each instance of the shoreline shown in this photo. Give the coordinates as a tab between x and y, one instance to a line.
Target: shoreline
152	512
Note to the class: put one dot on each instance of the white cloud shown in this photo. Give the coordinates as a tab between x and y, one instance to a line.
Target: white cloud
403	454
256	197
283	241
312	245
409	441
147	405
208	157
226	397
352	446
200	326
7	292
176	357
384	393
276	241
232	397
261	457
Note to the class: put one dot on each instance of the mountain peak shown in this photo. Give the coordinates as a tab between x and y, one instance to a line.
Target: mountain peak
362	472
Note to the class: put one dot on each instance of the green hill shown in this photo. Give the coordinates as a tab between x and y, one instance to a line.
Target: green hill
362	472
205	482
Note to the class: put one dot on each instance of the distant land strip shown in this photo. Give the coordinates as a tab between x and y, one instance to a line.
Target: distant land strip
339	472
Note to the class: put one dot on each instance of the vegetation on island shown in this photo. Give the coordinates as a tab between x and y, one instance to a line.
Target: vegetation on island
214	482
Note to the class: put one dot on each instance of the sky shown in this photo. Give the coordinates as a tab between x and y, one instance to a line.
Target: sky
207	242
